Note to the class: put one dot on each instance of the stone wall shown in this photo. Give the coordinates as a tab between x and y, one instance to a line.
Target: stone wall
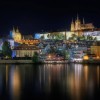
16	61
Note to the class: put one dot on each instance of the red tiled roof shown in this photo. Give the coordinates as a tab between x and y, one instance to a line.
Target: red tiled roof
26	47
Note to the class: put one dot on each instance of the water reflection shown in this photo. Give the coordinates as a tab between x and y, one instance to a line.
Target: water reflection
50	81
14	82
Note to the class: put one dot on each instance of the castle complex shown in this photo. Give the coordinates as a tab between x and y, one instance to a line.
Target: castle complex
22	39
16	35
81	26
78	28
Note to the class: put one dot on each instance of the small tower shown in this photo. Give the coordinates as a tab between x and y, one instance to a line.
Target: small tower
77	17
13	29
83	21
77	24
72	26
17	30
13	32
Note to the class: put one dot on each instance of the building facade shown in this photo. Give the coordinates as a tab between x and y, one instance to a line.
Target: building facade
96	49
25	50
15	34
80	26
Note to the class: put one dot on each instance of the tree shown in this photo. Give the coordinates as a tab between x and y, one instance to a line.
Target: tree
52	49
52	35
73	37
82	37
6	50
48	36
89	37
95	38
59	36
42	37
67	55
35	58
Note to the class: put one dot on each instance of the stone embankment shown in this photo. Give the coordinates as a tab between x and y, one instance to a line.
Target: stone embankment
16	61
47	62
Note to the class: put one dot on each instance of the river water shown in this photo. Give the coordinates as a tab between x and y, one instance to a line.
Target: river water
49	82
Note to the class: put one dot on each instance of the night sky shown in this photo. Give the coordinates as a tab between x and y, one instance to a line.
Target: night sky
46	15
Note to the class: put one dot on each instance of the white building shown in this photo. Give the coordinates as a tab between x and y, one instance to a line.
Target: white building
47	35
25	50
93	34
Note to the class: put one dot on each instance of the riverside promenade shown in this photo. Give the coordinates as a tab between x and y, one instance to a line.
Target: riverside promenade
15	61
47	62
30	61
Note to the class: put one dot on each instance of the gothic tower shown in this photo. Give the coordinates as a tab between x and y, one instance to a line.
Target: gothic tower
13	33
77	24
72	26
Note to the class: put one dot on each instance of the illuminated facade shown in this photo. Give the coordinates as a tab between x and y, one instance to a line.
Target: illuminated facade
25	50
16	35
80	26
94	34
30	42
96	49
48	35
26	39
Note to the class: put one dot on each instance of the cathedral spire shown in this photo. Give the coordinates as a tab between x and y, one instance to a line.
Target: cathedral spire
77	17
23	37
72	20
17	30
13	29
72	25
83	21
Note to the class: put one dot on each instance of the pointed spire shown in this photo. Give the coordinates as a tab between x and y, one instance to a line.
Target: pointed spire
23	37
17	30
77	17
13	29
72	20
83	21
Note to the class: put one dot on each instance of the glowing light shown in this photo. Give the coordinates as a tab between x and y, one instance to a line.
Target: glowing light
86	57
98	57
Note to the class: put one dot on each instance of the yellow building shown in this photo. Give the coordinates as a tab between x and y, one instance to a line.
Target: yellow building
16	35
30	42
96	49
81	26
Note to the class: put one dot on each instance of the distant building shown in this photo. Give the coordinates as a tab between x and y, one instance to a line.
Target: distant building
77	53
95	48
25	50
49	35
1	43
94	34
15	34
79	26
27	37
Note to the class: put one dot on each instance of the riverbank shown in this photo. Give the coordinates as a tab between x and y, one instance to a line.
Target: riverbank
48	62
15	61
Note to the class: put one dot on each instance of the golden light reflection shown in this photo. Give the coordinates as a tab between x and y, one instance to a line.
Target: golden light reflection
74	82
16	84
86	57
6	75
98	74
86	74
49	73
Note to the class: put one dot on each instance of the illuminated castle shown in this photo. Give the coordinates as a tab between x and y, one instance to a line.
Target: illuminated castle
22	39
16	35
78	26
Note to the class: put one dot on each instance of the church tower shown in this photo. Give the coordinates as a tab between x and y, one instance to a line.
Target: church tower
13	33
17	30
17	36
72	26
83	21
77	24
